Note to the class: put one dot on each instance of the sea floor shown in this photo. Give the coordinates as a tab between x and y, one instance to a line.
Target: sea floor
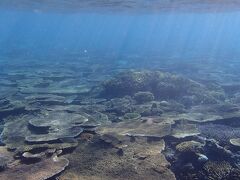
129	119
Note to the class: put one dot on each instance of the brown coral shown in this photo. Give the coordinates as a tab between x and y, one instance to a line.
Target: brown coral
38	171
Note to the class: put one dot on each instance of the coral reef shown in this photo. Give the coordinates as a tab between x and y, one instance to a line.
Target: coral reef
44	169
143	97
163	85
52	126
119	106
129	125
131	116
138	128
57	124
183	129
189	146
28	155
235	174
219	132
216	170
140	160
6	158
8	107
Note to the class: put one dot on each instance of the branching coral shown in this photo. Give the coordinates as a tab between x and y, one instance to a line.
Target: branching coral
214	170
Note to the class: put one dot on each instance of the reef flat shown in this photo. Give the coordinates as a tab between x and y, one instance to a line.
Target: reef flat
85	120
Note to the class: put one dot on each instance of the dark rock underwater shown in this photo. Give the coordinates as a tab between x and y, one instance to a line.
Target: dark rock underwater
87	120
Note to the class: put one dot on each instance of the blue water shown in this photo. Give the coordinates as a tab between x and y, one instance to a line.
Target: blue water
178	35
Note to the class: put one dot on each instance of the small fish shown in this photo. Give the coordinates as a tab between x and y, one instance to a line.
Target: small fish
202	158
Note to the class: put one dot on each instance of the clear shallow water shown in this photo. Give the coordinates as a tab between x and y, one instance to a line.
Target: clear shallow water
119	90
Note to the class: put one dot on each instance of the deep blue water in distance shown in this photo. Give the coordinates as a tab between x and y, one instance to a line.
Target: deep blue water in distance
166	34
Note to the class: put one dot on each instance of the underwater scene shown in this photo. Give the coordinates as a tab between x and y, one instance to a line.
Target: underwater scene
119	90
